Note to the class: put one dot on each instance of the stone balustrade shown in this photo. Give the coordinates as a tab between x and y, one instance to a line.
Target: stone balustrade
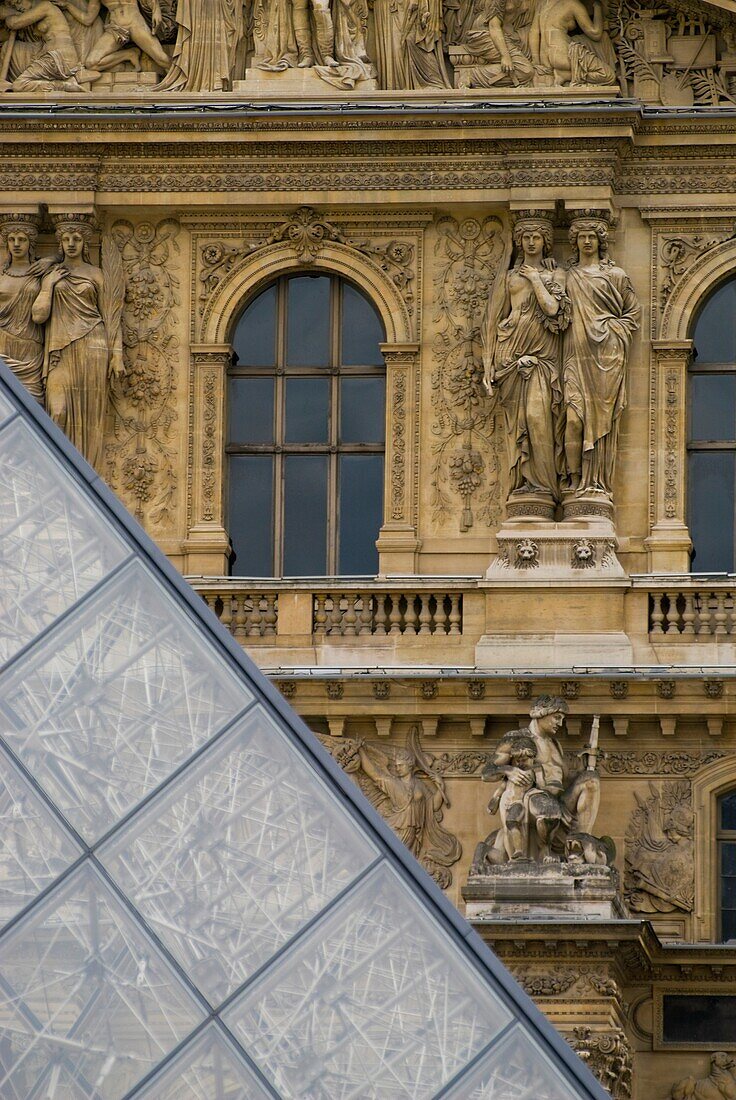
392	612
696	608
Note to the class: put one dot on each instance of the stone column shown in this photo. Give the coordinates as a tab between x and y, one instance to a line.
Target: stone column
397	542
669	539
207	546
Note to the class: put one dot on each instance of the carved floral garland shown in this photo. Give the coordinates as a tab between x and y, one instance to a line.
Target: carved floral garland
140	459
467	451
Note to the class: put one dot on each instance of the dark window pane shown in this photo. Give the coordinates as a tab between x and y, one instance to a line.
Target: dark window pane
361	513
308	322
728	859
728	811
715	330
362	330
255	333
713	406
251	515
728	926
711	509
699	1019
251	410
362	410
305	515
307	405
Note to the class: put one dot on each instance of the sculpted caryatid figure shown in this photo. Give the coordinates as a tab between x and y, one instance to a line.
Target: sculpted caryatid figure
541	801
566	58
605	315
83	339
21	338
527	312
57	67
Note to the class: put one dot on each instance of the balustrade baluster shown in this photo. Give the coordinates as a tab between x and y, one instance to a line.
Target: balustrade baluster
672	619
657	617
702	603
271	616
456	614
394	617
351	617
688	614
721	614
365	620
411	615
320	614
226	617
255	619
241	623
425	613
334	619
380	618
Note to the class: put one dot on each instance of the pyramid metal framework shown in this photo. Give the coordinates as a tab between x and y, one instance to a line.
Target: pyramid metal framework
196	903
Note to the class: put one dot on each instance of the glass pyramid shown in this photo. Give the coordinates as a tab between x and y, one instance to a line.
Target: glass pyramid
196	903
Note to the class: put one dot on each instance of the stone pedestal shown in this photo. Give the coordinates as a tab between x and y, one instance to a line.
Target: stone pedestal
299	83
580	550
531	891
126	83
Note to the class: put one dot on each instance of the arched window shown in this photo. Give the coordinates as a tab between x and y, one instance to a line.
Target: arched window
727	866
712	435
306	431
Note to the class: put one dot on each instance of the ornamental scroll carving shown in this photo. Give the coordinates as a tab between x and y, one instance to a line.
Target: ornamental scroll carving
467	452
141	461
660	851
607	1055
408	792
307	232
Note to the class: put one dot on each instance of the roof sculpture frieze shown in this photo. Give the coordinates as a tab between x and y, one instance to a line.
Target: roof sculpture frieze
679	54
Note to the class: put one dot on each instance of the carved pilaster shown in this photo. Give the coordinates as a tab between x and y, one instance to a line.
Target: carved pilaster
669	540
207	544
397	542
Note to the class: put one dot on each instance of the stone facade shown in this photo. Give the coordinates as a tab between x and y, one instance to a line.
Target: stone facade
192	185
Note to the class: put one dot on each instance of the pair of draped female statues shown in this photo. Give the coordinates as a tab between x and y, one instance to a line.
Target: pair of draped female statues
556	345
60	328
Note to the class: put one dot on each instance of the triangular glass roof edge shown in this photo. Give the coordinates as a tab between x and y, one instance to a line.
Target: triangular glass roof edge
430	894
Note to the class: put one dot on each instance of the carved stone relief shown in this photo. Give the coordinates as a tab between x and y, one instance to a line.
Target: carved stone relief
466	454
140	458
409	792
720	1082
608	1056
660	856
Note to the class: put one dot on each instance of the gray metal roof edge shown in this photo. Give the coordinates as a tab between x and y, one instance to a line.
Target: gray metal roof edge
429	893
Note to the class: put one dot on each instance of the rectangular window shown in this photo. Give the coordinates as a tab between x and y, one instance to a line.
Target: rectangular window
361	507
711	483
695	1019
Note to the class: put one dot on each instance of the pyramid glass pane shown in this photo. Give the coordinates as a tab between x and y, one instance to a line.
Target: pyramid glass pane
85	990
6	409
373	1003
105	707
252	846
208	1068
514	1069
55	548
199	903
34	846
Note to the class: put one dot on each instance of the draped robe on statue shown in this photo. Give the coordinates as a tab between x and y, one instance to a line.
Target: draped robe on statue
605	314
206	45
76	364
21	339
531	396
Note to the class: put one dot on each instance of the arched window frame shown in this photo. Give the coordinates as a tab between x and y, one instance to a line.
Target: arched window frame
333	451
205	549
726	865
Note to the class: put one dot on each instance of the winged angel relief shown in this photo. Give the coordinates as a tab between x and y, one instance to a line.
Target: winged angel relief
660	865
408	793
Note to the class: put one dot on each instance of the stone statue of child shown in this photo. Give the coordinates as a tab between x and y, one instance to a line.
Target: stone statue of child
555	801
